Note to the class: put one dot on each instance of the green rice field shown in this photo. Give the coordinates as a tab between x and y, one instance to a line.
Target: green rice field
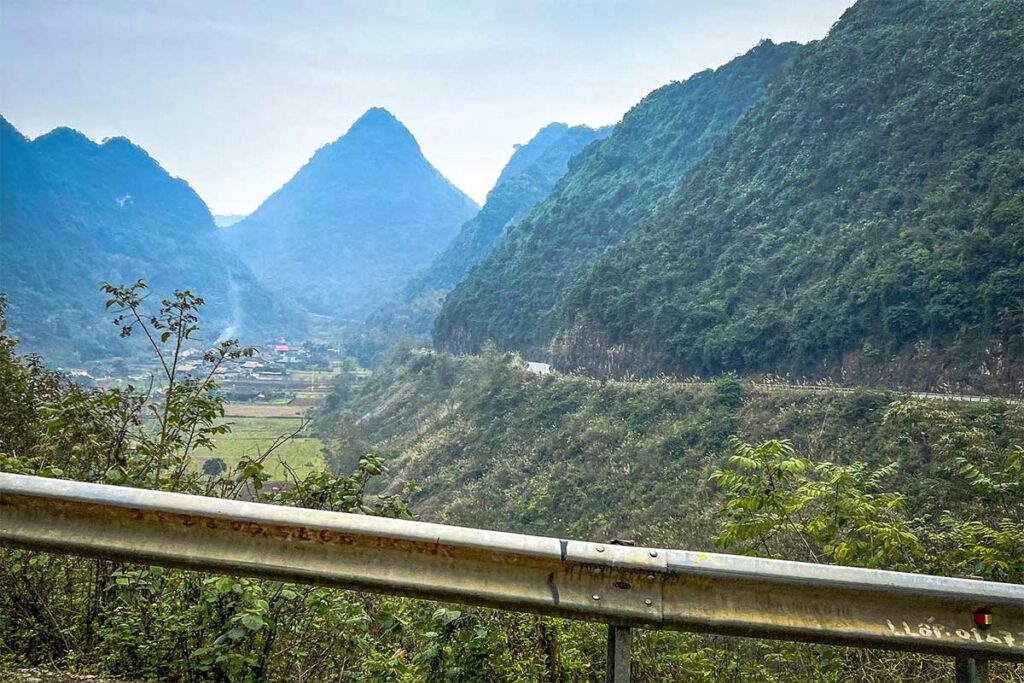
250	436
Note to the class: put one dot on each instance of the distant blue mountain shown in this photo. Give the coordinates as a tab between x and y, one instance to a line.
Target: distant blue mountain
365	213
75	213
611	188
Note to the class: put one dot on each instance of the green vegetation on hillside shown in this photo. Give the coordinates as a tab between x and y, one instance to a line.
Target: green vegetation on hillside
865	218
151	623
498	446
610	189
491	444
864	478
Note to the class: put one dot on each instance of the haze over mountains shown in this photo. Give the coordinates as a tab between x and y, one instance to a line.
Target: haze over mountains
224	220
360	229
527	178
350	227
75	213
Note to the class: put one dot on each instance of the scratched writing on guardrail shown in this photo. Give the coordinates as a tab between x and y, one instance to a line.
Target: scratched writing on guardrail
929	629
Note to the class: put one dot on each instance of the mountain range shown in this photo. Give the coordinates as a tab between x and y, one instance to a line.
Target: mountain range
863	221
351	227
612	188
851	209
75	213
527	178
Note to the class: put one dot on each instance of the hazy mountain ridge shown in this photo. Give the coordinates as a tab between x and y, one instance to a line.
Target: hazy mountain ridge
527	178
354	222
75	213
611	188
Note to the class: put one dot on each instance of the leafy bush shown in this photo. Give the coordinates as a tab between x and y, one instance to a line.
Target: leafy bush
214	466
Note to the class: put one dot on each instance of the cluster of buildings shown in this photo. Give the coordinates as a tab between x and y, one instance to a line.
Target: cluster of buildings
274	364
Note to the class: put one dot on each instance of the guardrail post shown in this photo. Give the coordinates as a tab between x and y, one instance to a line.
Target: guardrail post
970	670
620	646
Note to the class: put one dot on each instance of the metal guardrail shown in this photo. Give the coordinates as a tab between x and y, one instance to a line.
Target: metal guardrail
621	585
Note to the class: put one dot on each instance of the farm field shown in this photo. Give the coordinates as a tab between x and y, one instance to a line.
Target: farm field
311	380
251	435
266	410
307	398
313	376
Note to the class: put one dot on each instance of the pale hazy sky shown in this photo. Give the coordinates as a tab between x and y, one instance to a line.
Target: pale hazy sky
235	96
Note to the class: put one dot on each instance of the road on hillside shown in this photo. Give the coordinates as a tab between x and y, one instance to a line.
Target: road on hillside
930	395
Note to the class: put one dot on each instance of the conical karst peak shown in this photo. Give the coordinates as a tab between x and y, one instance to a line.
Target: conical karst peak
380	126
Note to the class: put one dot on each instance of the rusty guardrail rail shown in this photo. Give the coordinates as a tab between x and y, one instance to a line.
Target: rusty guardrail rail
621	585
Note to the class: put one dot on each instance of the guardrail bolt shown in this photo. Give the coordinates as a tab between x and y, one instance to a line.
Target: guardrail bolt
599	548
654	553
596	596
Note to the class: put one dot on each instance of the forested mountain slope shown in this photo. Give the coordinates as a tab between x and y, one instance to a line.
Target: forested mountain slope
527	178
611	188
355	222
493	445
871	478
75	213
864	220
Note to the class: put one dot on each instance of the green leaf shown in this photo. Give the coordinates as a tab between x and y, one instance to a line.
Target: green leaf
252	622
